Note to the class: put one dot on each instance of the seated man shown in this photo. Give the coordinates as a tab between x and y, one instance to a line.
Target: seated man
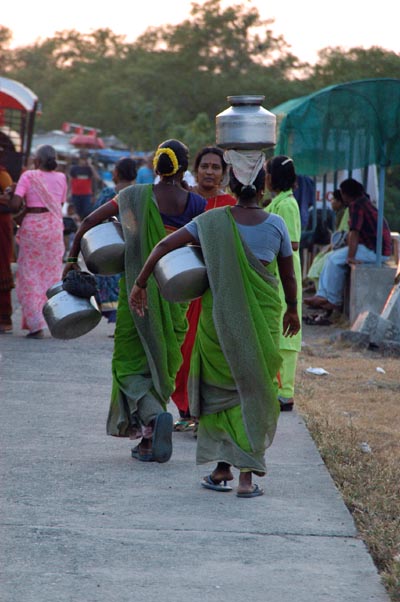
362	239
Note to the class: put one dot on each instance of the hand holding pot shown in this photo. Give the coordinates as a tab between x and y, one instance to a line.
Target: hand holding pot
138	300
68	267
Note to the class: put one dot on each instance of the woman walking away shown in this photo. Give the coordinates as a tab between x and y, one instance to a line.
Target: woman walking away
281	178
236	353
40	237
210	171
123	175
147	352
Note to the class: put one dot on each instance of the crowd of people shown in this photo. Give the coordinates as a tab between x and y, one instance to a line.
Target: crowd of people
228	359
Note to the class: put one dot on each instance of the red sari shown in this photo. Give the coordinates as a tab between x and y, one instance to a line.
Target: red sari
6	256
180	395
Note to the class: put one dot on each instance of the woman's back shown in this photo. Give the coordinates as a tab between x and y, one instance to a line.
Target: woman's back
175	217
33	181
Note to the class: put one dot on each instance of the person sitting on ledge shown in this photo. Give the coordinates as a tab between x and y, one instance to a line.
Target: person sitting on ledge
362	242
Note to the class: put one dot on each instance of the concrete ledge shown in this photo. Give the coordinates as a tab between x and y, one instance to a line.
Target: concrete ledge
369	288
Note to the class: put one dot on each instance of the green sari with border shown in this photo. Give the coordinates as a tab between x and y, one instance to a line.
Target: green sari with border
232	383
147	351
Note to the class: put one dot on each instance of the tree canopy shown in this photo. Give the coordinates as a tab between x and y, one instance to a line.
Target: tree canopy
174	79
175	76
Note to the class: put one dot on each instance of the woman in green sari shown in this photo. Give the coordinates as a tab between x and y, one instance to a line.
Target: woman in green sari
235	359
281	177
147	352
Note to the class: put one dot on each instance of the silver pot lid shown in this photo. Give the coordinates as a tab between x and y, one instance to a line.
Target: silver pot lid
246	99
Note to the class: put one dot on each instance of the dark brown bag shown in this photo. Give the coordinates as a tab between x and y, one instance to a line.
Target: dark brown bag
80	284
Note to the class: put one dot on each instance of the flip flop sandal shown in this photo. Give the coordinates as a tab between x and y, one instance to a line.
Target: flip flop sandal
135	453
256	492
317	320
39	334
286	405
162	437
209	483
181	426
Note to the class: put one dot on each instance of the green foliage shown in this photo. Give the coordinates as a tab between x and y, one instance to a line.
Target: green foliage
174	80
196	134
337	66
168	76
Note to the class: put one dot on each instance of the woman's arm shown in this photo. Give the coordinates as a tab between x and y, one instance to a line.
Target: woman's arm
5	199
291	322
93	219
138	296
15	203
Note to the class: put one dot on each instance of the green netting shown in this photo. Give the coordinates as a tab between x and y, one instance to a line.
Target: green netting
346	126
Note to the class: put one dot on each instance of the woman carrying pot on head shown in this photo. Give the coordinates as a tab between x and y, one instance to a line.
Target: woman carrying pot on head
147	352
40	237
280	180
236	356
210	171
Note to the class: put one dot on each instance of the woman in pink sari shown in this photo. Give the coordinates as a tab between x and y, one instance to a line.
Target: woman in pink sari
40	237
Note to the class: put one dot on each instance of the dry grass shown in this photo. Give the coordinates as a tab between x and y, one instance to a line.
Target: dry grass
356	404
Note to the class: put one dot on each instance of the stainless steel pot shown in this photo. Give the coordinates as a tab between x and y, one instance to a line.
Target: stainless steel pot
103	249
67	316
181	275
246	124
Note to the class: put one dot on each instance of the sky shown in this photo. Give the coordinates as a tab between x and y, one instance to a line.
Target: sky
308	26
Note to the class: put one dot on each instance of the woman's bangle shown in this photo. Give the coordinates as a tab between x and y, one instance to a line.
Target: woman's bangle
140	285
291	303
72	260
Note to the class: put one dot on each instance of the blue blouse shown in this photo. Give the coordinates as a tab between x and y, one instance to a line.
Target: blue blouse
266	240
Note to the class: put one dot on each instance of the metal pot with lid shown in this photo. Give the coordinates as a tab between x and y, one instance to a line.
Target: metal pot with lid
245	125
103	249
68	316
181	274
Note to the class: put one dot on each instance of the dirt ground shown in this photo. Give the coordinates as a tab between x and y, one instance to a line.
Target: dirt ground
353	414
361	387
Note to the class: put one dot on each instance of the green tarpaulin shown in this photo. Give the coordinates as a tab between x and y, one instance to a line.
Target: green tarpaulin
346	126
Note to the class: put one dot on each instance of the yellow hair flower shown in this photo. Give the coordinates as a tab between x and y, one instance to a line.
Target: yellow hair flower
170	153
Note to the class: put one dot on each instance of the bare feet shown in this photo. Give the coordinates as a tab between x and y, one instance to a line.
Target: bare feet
245	484
315	301
145	446
246	487
222	472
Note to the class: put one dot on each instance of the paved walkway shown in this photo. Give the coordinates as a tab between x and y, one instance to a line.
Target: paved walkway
83	522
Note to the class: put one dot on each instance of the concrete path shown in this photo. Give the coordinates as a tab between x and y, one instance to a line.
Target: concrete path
81	521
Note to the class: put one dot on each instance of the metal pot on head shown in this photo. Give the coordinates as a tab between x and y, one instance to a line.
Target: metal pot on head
181	275
68	316
103	249
245	125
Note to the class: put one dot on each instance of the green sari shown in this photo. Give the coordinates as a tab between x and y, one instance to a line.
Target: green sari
235	357
147	351
319	260
285	205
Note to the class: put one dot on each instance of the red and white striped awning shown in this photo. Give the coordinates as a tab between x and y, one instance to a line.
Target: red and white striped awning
14	95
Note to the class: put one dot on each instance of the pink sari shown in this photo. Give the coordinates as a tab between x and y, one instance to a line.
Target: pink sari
40	254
